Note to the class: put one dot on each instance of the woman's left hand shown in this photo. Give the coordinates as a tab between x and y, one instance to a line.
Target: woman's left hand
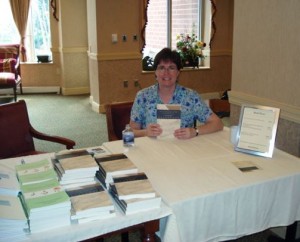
185	133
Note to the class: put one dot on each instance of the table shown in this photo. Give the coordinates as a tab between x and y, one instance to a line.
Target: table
211	199
148	220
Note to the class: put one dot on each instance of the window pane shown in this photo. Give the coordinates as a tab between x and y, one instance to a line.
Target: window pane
38	39
185	19
156	28
8	31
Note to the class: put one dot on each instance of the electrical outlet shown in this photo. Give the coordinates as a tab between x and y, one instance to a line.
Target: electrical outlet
136	83
125	84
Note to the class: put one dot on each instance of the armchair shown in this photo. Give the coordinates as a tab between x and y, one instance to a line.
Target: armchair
16	132
10	75
117	116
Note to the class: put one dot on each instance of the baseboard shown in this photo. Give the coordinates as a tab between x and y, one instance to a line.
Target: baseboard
53	89
28	90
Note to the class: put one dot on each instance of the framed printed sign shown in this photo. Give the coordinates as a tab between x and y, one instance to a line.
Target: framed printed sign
257	130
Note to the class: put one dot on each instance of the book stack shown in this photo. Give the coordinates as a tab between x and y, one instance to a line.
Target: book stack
13	221
75	168
112	165
46	203
134	193
90	202
9	184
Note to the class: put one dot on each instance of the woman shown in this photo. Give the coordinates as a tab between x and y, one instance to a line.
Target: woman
167	65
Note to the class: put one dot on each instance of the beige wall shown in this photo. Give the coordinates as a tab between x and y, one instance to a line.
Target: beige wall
122	61
69	69
86	61
266	63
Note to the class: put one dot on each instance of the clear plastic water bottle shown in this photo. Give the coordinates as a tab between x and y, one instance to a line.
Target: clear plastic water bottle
128	136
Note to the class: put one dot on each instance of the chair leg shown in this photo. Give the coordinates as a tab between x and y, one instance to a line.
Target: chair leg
15	93
21	88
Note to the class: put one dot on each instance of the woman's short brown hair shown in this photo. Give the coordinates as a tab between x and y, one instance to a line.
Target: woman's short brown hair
166	54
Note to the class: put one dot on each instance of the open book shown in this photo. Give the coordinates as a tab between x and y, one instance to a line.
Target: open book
168	117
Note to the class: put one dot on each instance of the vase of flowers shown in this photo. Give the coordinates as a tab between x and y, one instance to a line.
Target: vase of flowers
190	49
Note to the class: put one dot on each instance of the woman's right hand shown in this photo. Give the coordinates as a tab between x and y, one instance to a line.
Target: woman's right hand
153	130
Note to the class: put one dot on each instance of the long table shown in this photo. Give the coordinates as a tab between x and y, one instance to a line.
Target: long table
147	220
211	199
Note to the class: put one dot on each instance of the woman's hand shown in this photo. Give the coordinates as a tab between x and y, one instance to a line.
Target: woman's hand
185	133
153	130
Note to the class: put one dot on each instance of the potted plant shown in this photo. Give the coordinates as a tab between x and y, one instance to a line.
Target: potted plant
190	49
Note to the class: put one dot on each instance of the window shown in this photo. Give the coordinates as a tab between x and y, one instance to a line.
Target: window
38	38
169	18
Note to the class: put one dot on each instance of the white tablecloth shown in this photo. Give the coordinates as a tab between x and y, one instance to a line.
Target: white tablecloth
211	199
78	232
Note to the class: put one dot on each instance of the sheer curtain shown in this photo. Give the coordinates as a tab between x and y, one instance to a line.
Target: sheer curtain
20	10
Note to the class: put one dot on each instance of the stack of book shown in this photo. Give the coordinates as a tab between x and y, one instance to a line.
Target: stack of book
13	221
112	165
90	202
46	203
134	193
75	168
9	184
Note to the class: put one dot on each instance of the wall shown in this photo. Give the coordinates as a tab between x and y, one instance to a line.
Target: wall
69	69
266	63
122	61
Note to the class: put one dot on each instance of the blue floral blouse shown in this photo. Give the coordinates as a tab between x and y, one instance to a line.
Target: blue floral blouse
192	106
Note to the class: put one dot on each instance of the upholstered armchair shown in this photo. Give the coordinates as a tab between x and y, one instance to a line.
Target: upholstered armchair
10	75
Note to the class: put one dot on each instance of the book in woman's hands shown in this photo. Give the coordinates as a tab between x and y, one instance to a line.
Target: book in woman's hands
169	118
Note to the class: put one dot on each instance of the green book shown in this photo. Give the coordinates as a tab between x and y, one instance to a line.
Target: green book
44	195
34	172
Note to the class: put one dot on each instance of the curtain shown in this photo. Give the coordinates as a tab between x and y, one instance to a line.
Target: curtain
144	18
20	10
213	24
144	21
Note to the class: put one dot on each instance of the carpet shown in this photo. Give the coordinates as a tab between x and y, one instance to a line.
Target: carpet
68	116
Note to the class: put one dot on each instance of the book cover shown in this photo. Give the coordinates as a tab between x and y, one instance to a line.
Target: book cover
70	153
91	203
86	189
118	166
169	118
79	163
134	186
34	172
44	196
11	208
9	184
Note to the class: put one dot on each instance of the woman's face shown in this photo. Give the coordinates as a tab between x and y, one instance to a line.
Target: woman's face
167	74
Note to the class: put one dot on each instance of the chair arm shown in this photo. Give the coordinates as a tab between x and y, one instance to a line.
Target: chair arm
57	139
113	137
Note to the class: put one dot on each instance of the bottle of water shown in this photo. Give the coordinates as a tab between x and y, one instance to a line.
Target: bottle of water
128	136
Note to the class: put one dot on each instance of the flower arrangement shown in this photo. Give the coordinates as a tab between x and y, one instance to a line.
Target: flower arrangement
190	49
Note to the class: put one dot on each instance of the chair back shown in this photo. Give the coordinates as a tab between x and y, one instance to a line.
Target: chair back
117	116
10	59
15	137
